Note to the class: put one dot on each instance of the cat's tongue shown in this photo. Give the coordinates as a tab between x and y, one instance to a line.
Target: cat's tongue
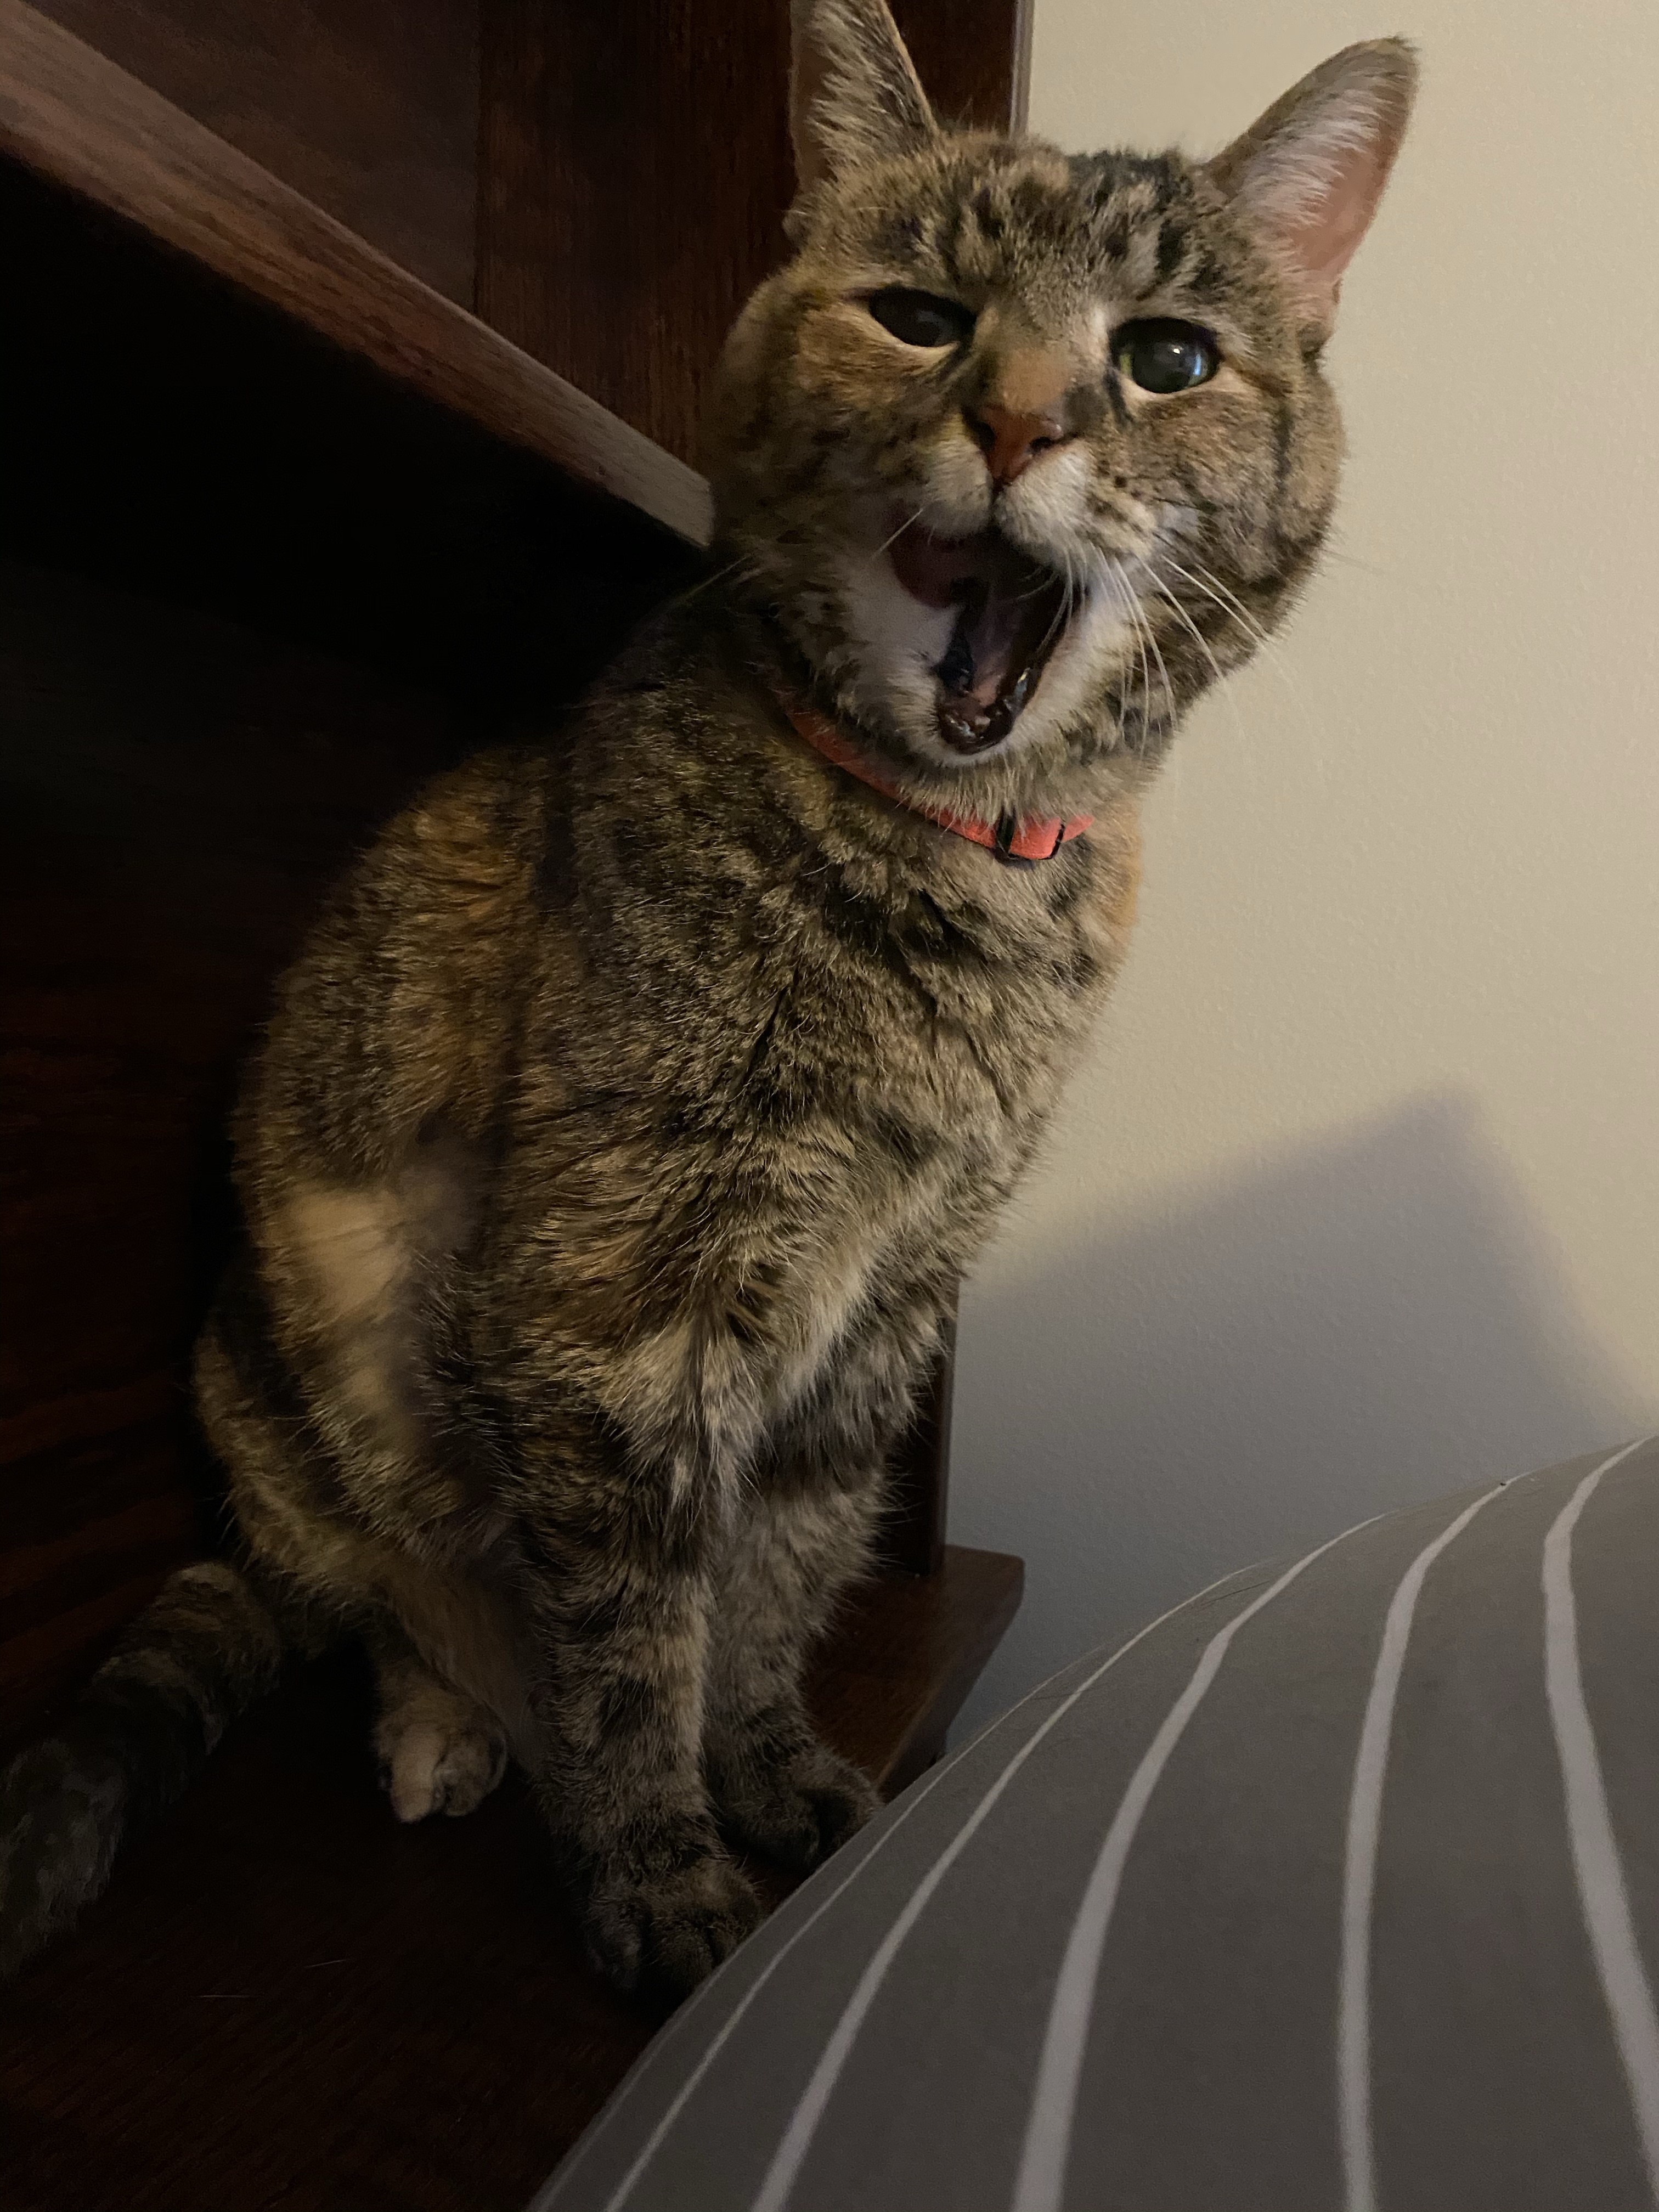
1009	616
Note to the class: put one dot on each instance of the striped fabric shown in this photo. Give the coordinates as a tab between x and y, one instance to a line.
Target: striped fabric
1338	1887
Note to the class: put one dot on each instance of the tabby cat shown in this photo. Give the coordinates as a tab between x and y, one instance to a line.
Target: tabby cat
624	1125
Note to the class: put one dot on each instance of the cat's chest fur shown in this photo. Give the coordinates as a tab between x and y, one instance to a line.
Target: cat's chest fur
806	1046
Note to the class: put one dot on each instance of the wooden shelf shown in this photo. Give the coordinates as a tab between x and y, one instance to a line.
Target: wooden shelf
166	433
70	116
286	1999
907	1653
284	529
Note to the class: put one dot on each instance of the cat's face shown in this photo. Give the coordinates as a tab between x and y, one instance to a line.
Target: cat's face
1021	447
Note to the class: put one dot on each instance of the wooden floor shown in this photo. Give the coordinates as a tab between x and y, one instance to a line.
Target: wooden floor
288	2001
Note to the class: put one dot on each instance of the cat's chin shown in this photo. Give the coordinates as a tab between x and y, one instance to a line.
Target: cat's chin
1012	613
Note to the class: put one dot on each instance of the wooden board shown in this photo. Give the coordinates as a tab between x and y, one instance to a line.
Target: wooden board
634	160
251	590
162	849
286	1999
369	108
69	114
283	530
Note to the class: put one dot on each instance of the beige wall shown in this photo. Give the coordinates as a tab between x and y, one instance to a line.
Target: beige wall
1359	1200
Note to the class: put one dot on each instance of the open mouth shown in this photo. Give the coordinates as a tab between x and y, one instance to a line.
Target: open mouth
1011	615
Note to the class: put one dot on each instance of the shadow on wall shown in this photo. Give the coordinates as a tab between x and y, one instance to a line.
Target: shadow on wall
1371	1322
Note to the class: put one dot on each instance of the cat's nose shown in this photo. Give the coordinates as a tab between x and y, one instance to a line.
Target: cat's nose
1011	440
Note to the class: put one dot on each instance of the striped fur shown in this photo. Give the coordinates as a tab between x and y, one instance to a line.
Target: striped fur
622	1131
197	1657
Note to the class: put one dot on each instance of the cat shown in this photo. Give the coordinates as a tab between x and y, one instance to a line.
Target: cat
622	1129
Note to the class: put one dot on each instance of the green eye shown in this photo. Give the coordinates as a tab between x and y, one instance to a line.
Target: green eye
1164	355
921	318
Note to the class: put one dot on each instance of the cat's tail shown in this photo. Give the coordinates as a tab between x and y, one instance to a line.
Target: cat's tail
206	1647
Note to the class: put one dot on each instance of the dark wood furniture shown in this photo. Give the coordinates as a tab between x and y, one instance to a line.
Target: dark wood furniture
349	366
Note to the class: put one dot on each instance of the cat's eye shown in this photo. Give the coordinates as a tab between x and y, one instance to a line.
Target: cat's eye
921	318
1163	354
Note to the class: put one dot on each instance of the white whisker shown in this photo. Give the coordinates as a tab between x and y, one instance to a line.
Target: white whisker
1142	635
1144	614
1157	651
1210	585
894	540
745	564
1121	598
1202	642
1212	588
1145	639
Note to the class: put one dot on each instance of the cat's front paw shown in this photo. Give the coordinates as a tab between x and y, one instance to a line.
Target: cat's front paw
442	1762
657	1934
798	1807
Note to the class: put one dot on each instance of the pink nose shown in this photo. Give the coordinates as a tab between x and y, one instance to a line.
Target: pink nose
1011	442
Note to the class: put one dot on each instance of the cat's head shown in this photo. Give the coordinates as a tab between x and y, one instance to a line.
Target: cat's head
1022	447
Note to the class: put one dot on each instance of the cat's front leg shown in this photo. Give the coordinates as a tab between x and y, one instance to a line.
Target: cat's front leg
620	1596
778	1786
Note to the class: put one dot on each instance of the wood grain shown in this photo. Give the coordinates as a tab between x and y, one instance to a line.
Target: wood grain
283	530
251	591
286	1999
906	1652
69	114
369	108
913	1535
974	57
175	793
161	429
634	170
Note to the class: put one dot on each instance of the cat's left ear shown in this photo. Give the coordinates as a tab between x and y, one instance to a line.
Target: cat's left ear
854	96
1309	174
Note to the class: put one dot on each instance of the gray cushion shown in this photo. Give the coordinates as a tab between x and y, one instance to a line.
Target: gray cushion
1336	1887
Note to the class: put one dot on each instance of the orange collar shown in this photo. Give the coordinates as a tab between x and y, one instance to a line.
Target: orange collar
1010	839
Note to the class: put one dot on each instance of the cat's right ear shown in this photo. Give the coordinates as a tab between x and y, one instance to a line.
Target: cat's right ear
855	97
